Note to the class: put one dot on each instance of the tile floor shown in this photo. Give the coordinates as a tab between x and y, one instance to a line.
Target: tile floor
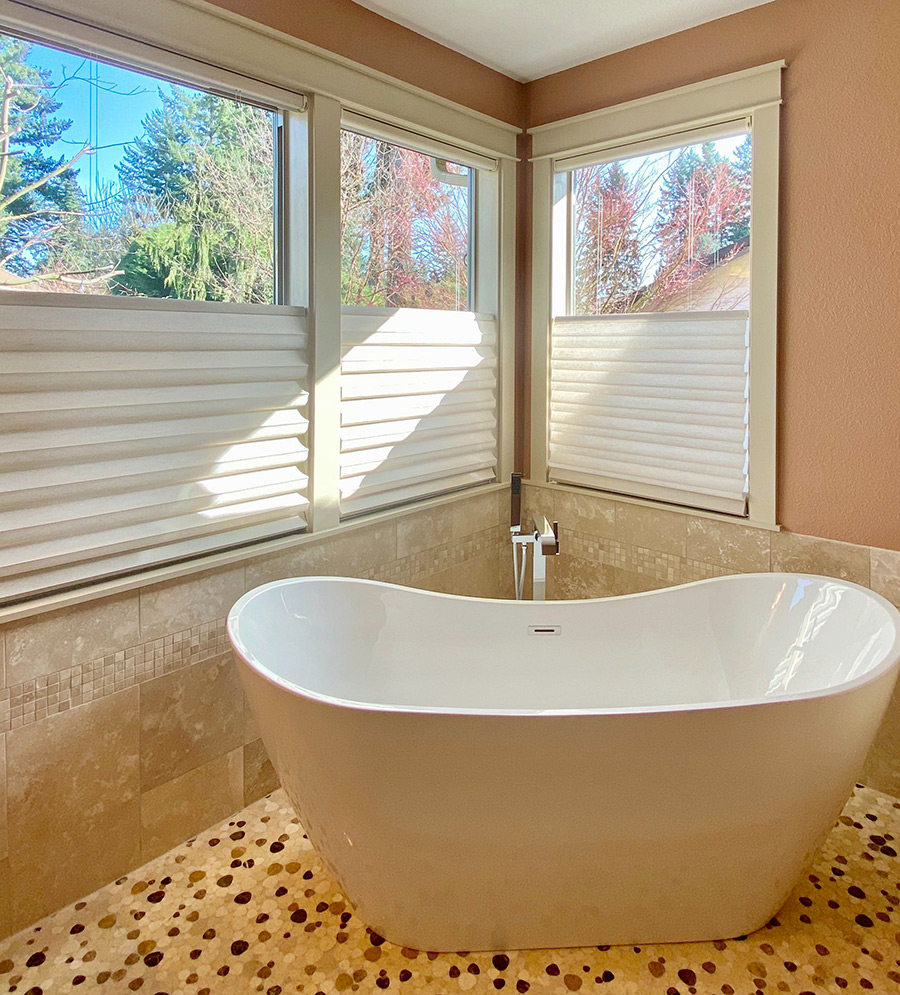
247	907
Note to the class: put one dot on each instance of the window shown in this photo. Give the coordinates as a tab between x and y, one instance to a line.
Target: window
405	222
665	231
648	384
116	182
660	353
418	368
139	431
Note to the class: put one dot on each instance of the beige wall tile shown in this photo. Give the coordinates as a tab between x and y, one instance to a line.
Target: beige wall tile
473	513
652	528
188	718
528	587
424	529
885	564
74	801
586	512
301	561
537	501
571	578
6	924
179	809
347	555
476	578
251	730
259	774
4	833
443	582
2	656
187	601
48	643
729	544
629	582
797	553
505	582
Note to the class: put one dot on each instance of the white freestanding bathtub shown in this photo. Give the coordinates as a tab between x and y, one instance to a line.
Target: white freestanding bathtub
488	775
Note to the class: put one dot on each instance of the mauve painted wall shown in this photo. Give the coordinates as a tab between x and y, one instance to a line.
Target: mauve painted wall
839	314
347	29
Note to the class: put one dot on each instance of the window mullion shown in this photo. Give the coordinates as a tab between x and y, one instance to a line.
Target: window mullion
543	264
325	310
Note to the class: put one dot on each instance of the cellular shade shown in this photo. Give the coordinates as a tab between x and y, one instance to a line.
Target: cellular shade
653	405
418	404
138	435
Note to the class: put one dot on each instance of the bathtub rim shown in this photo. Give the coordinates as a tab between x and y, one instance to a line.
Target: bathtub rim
890	661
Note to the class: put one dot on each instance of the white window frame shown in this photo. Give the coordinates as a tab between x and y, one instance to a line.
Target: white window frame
754	94
211	48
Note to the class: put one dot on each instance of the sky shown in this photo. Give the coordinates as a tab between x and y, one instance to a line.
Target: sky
106	115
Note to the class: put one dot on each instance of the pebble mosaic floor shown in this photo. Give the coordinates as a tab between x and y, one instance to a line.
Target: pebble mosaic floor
247	907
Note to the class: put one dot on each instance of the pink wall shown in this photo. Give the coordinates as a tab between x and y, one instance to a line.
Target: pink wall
347	29
839	314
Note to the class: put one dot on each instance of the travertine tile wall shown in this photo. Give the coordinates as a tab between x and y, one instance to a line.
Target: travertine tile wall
613	547
123	726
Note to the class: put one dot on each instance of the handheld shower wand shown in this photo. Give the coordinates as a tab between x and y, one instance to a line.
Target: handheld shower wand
515	528
515	501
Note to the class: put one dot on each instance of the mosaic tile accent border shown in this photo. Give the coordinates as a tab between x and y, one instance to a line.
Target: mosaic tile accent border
30	701
666	567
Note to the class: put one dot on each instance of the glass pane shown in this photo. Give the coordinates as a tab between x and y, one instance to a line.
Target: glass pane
404	227
116	182
668	231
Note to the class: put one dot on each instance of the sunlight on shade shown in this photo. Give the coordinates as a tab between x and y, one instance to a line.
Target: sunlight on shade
244	482
417	399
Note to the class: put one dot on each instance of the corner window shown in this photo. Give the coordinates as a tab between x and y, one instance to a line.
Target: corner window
119	183
167	226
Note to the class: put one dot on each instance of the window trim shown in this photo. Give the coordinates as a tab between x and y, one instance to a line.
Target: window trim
204	39
753	93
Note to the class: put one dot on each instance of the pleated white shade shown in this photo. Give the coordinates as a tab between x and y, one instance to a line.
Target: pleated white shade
418	404
133	436
653	405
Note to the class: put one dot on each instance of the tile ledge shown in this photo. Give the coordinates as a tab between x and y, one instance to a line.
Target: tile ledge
716	516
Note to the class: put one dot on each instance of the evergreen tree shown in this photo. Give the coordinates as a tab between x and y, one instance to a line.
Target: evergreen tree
700	205
204	172
742	167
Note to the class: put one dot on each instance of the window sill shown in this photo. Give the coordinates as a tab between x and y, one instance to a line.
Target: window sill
657	505
157	575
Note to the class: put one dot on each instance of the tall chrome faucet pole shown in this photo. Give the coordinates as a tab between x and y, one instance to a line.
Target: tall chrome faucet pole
546	543
543	539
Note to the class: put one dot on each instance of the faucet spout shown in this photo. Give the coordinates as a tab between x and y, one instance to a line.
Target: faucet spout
546	536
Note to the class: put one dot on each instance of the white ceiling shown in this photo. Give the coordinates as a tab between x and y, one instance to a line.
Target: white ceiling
527	39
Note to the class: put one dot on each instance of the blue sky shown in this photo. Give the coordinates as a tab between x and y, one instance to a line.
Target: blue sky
105	116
